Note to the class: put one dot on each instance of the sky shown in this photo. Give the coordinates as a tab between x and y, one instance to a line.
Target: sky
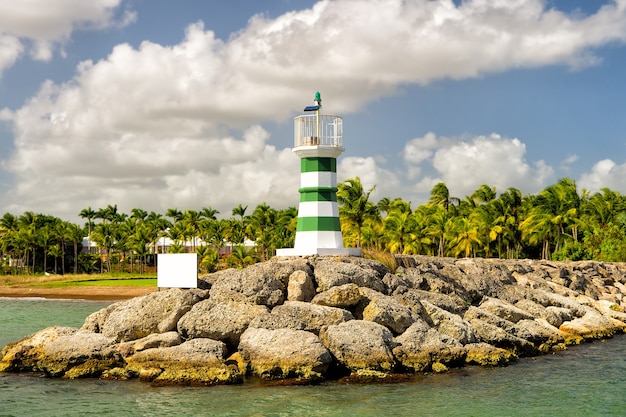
186	104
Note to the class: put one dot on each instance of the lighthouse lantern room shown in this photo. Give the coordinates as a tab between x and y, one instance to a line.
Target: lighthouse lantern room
318	142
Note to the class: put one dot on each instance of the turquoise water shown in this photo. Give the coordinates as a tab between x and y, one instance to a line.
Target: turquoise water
587	380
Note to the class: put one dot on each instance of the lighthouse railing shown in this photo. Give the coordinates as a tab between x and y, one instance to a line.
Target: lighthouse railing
318	129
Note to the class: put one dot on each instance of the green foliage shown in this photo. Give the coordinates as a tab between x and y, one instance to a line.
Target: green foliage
556	223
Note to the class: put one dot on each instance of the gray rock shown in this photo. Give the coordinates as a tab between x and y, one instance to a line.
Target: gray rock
361	345
497	337
284	353
484	354
592	325
224	321
195	362
300	287
504	310
449	302
61	351
264	283
154	340
386	311
332	272
341	296
421	346
450	324
298	315
157	312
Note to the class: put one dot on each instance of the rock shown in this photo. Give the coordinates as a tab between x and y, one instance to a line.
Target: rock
224	321
63	352
264	283
592	325
297	315
195	362
300	287
449	302
155	340
497	337
523	332
445	312
358	344
341	296
450	324
422	347
284	354
157	312
504	310
553	315
484	354
332	272
386	310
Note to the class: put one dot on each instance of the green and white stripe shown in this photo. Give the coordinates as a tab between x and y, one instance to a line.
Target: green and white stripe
318	215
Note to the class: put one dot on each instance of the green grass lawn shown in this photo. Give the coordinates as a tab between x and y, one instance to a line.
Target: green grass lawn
111	282
80	280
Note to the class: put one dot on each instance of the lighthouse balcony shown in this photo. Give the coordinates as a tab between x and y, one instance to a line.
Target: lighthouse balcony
318	130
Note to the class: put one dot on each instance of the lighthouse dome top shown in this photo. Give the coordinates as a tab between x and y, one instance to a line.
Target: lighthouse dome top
314	129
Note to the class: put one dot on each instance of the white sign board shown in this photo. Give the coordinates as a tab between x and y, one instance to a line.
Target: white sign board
177	270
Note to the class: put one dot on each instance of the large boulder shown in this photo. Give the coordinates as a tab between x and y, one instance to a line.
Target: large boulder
300	287
62	351
484	354
342	296
450	324
504	310
224	321
157	312
386	310
361	345
195	362
449	302
298	315
332	272
265	283
421	347
155	340
592	325
284	353
498	337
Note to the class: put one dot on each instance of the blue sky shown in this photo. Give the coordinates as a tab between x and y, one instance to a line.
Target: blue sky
159	104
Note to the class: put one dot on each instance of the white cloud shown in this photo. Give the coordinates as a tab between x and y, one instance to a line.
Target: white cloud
605	173
465	164
157	126
38	26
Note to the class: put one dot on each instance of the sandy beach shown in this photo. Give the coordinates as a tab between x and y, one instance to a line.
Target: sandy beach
78	293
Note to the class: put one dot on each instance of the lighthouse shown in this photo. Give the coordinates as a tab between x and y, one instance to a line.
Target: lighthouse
318	143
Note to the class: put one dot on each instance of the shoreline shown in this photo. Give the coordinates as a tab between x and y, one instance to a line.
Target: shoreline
95	293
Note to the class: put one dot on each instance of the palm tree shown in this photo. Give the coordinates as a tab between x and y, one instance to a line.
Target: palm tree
175	214
88	214
398	225
354	205
104	236
465	236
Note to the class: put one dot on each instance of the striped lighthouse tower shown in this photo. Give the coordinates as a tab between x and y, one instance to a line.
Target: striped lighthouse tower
318	143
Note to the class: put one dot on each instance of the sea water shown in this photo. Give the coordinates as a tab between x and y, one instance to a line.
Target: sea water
586	380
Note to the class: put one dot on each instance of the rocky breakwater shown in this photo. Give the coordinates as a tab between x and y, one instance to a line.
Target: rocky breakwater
304	320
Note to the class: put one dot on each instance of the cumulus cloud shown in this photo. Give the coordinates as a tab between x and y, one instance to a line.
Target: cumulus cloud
156	126
37	26
605	173
466	163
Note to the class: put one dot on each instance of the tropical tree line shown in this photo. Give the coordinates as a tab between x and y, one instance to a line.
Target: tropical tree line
557	223
128	242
